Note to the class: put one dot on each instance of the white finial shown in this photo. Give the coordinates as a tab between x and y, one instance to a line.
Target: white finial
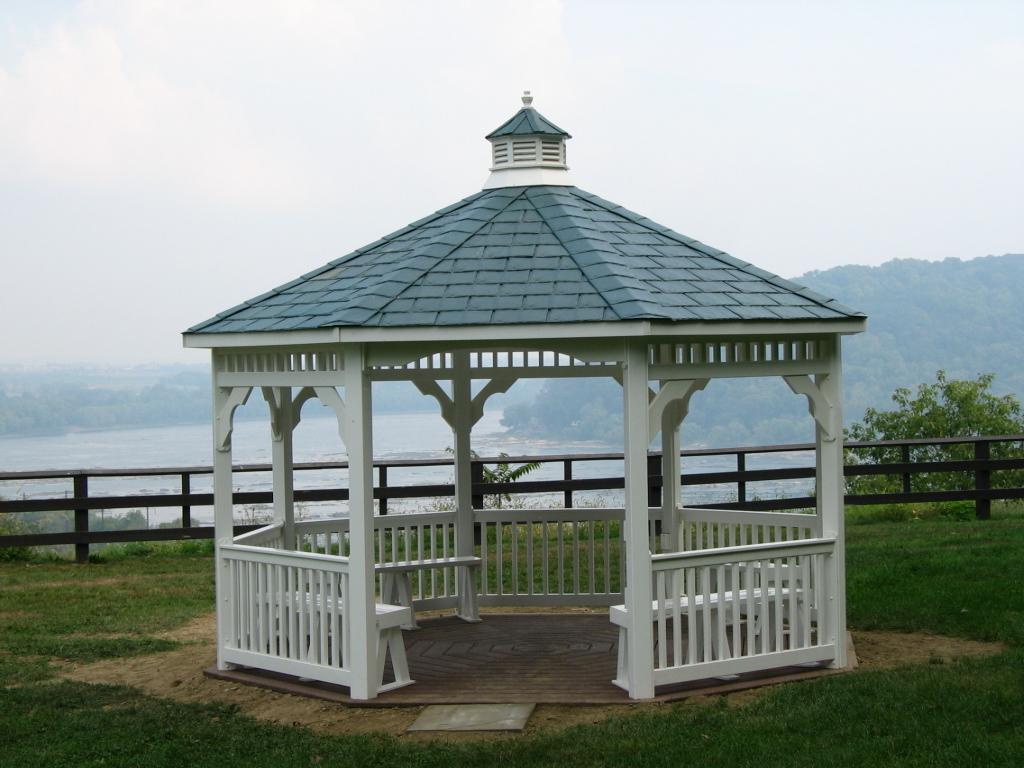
527	99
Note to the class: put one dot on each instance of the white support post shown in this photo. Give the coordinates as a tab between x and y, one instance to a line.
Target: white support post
361	610
829	498
283	420
671	487
640	645
225	400
462	411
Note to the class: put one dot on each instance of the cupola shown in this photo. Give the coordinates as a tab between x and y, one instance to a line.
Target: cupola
527	150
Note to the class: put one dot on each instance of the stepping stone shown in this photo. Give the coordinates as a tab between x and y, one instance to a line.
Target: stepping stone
473	717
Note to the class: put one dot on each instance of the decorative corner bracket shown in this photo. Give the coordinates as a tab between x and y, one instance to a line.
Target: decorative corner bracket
227	401
672	398
329	396
495	386
818	404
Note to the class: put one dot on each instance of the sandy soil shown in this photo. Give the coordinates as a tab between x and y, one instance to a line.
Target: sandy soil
178	675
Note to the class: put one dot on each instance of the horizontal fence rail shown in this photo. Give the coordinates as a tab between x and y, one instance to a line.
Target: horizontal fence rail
981	469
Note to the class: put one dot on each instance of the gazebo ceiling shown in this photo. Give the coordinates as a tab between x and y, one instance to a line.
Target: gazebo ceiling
533	254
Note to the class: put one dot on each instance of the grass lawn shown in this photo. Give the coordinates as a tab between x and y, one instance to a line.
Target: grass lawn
935	575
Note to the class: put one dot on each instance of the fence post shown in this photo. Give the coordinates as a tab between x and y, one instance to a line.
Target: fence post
654	481
476	473
81	490
382	503
186	508
982	480
741	484
567	475
905	458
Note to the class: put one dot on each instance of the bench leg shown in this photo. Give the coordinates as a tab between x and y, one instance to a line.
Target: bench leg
403	585
390	641
467	609
621	669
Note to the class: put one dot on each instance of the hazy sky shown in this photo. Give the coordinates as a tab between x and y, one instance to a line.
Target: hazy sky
163	161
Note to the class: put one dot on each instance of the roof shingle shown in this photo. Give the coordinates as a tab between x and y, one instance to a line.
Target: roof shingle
528	255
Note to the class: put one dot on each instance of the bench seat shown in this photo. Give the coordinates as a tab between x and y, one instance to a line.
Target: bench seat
389	622
396	583
619	616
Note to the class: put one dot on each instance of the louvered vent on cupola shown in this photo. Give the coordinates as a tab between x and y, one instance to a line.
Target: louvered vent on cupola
528	152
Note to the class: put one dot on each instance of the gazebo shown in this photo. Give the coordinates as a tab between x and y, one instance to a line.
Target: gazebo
530	277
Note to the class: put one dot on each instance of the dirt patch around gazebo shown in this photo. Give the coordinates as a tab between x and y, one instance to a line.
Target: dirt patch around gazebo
178	675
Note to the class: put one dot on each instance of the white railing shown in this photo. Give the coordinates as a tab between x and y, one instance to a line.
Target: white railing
743	591
741	608
397	538
286	611
271	536
715	528
550	556
542	556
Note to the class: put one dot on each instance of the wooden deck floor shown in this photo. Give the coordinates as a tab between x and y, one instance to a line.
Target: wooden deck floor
544	658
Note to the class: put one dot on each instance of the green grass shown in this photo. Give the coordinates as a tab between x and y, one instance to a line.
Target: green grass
952	578
935	574
57	609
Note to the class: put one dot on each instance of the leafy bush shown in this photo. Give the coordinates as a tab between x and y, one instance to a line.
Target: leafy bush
946	408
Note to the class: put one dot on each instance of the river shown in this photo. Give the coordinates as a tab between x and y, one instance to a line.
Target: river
395	436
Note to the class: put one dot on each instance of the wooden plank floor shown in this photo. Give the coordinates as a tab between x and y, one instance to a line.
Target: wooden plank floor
543	658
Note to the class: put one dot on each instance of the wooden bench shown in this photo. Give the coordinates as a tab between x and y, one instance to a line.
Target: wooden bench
619	616
389	622
396	583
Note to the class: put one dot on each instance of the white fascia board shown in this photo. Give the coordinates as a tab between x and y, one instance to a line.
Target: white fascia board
260	338
602	330
525	332
759	327
529	177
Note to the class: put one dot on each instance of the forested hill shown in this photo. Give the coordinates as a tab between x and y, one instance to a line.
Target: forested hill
966	317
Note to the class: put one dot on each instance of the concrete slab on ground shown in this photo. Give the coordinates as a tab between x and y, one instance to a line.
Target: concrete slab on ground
473	717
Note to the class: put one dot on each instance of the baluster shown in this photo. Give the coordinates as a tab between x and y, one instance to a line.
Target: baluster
737	629
662	599
529	558
499	558
591	554
485	545
514	557
561	559
607	557
575	557
751	616
779	604
692	631
677	629
342	611
545	557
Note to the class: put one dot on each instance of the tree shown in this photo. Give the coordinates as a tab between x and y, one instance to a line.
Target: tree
504	472
946	408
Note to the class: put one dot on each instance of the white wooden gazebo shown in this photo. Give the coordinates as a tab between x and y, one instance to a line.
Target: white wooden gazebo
531	277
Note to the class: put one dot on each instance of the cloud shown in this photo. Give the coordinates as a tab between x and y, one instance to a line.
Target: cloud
79	112
255	103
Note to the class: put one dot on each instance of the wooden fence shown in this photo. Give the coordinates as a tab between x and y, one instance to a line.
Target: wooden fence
979	469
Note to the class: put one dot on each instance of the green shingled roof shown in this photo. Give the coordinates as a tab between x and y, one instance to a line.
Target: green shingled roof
541	254
528	254
527	122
